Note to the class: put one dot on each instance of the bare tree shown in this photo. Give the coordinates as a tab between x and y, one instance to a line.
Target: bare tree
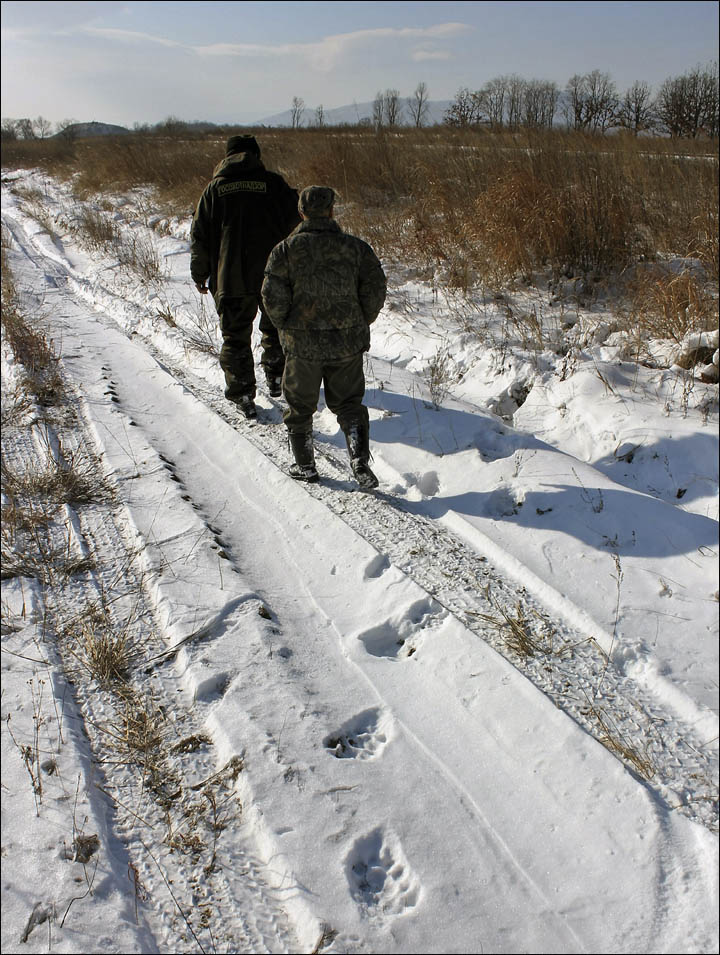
591	102
635	110
171	126
687	105
25	128
516	88
387	109
66	128
464	109
602	101
319	115
550	100
509	100
41	127
575	102
491	101
9	130
418	105
393	107
711	100
379	110
539	104
296	111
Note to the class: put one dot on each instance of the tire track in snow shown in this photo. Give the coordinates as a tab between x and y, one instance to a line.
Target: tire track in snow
190	903
566	665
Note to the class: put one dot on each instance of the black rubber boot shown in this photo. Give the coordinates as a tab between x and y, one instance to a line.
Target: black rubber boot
301	444
357	437
245	405
274	383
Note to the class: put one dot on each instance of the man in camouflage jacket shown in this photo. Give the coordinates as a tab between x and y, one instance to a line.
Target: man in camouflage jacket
244	211
323	289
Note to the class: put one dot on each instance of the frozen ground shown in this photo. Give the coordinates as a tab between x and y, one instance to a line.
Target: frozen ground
473	711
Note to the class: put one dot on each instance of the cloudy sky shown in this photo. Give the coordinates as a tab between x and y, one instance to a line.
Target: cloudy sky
239	62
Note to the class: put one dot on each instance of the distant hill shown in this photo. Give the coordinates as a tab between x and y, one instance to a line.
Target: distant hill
354	114
84	130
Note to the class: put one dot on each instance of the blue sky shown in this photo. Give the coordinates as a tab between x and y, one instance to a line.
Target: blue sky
239	62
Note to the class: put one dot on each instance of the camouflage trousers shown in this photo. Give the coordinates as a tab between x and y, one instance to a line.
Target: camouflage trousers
237	316
344	383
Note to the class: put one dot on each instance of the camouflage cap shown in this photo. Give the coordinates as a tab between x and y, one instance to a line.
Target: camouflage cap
242	144
316	201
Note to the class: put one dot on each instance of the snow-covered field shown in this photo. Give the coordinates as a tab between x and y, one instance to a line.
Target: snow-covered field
474	711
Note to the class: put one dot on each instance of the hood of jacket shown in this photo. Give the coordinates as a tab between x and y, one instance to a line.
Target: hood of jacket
237	164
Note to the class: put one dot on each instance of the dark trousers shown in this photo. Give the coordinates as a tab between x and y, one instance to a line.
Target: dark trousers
344	383
236	357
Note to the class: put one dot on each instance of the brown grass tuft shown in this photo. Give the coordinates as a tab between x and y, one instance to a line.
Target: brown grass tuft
664	303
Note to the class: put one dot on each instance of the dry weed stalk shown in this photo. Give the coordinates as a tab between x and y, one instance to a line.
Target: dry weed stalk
202	334
16	407
36	207
327	936
31	760
517	631
35	546
137	254
32	350
62	477
478	204
663	303
607	733
137	735
95	230
106	655
439	376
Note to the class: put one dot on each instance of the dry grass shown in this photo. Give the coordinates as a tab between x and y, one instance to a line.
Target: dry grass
95	230
60	477
137	254
462	208
439	376
607	732
518	632
528	636
37	539
498	201
663	303
36	207
34	548
96	642
201	332
30	346
16	407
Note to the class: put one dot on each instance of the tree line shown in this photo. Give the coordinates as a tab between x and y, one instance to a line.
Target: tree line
684	106
389	109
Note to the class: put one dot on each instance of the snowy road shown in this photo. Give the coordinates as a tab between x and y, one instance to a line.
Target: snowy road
395	779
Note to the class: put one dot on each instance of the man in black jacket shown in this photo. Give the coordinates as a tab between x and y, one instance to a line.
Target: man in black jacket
243	213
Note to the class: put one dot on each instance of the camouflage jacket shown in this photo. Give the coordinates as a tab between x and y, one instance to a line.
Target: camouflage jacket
323	289
243	212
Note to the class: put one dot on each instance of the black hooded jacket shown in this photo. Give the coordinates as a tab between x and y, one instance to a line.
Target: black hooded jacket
243	213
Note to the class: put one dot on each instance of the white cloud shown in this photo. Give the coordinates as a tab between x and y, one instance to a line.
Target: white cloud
420	55
326	53
130	36
322	55
247	49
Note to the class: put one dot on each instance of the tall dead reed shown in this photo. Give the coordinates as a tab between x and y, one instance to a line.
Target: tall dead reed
480	205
